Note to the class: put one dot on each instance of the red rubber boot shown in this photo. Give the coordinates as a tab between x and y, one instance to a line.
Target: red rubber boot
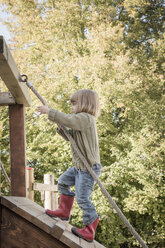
64	208
88	232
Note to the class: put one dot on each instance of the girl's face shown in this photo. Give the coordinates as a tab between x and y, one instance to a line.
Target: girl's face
74	107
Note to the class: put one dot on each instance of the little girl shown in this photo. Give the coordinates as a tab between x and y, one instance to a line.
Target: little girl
82	127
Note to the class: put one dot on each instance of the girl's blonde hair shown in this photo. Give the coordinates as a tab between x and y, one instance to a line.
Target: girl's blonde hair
87	100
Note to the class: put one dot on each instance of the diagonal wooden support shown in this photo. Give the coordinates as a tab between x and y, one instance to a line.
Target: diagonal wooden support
10	75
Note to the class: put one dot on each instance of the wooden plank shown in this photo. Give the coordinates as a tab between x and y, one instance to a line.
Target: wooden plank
45	223
13	202
54	197
10	75
17	232
6	99
23	207
45	187
70	239
30	212
17	150
34	213
48	180
98	245
29	183
85	244
58	229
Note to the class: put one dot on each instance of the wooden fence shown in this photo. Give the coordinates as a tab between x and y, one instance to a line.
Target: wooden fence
49	191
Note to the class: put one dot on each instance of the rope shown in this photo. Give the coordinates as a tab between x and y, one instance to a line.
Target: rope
5	174
104	191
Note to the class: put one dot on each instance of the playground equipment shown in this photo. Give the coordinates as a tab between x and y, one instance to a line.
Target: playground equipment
23	222
49	191
111	201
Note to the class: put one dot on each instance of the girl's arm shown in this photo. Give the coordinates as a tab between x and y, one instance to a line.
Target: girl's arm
77	121
62	134
45	110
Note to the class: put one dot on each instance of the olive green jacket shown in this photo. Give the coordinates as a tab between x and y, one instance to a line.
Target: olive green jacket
83	130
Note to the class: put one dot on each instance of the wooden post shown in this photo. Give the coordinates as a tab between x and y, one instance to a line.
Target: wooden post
50	201
49	192
29	182
20	95
48	179
17	150
54	198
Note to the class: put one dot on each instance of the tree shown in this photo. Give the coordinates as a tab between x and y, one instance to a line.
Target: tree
115	48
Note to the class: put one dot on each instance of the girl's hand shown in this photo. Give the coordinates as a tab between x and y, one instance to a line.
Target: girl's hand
43	109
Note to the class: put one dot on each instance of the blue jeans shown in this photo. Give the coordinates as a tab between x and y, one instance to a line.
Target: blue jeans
84	185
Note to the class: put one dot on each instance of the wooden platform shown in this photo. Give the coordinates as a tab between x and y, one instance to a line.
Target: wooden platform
24	224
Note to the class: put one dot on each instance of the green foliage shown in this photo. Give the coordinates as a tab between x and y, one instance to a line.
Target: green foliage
116	48
4	149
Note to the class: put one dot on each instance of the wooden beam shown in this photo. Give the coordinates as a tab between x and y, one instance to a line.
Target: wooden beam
29	182
45	187
6	98
17	150
10	75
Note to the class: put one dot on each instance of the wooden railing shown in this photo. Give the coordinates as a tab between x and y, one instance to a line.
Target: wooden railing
49	192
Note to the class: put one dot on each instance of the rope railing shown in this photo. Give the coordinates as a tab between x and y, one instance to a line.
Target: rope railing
24	78
5	173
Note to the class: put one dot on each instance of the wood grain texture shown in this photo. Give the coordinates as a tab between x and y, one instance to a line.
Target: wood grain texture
17	150
69	238
22	216
17	232
85	244
6	99
34	213
10	75
98	245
